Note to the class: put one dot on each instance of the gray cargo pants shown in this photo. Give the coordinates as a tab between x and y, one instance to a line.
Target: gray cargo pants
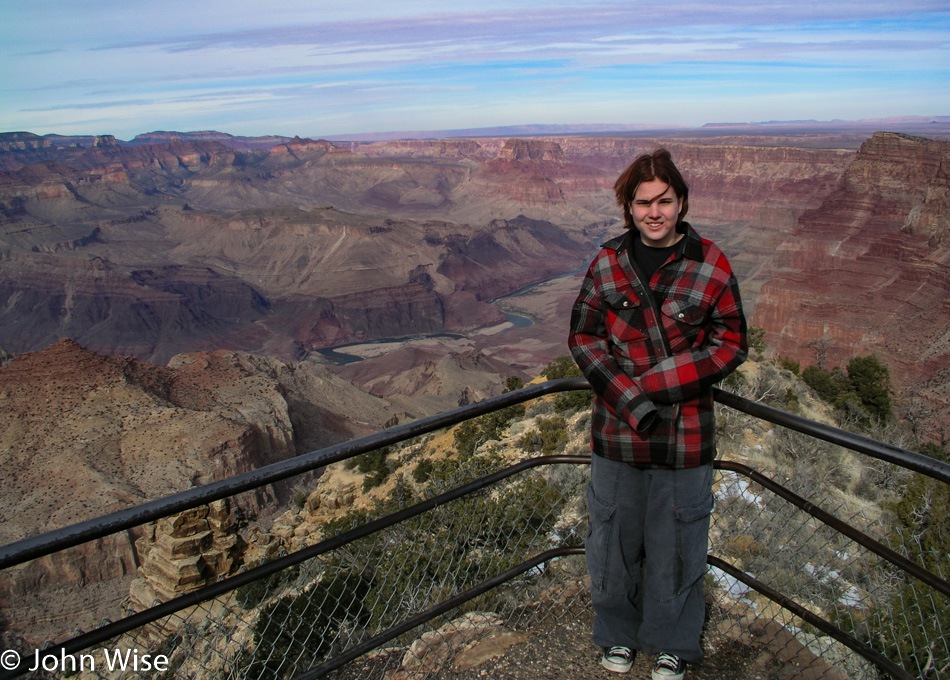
646	552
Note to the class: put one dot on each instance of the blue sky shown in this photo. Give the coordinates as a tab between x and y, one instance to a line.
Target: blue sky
317	68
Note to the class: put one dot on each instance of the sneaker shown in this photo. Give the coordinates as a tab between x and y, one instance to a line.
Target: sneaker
618	659
669	667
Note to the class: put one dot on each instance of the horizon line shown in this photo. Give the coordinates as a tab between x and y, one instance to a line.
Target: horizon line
525	129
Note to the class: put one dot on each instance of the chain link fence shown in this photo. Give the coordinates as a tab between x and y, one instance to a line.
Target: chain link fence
302	621
828	574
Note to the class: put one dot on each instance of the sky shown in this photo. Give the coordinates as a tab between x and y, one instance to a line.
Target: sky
316	68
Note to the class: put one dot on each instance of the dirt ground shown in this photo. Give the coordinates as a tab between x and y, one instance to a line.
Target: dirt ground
560	648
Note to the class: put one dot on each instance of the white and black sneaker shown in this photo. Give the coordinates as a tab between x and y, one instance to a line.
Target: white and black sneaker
669	667
618	659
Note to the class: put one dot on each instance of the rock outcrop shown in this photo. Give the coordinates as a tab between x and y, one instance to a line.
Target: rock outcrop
185	552
444	647
22	141
82	435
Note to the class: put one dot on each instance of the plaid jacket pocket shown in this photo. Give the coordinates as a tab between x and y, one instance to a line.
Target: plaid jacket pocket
625	320
683	322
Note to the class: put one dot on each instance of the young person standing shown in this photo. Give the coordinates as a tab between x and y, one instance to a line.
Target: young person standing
657	323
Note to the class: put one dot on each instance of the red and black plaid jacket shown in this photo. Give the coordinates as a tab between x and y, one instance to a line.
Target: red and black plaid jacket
653	404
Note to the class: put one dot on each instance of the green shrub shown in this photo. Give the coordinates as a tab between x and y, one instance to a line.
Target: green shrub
550	437
791	400
280	651
870	380
573	401
924	509
452	472
471	434
822	383
862	392
755	336
373	465
372	461
467	438
475	537
422	471
789	365
923	531
512	383
562	367
733	381
251	595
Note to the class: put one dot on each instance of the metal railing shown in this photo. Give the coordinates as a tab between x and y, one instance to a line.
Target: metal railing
473	545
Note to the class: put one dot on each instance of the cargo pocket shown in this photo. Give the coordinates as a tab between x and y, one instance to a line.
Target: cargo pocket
603	542
692	542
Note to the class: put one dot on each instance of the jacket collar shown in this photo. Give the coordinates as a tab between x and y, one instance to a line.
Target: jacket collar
692	246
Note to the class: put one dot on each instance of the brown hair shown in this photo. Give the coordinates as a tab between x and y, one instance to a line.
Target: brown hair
646	168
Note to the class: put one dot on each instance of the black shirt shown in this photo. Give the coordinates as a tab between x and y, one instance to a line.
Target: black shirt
648	258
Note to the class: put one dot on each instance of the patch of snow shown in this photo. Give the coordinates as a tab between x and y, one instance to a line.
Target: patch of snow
735	588
851	597
734	486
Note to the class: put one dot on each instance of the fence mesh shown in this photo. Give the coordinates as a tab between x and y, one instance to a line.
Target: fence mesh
297	619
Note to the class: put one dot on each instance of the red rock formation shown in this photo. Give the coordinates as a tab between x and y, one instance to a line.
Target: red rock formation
537	173
733	183
423	148
531	150
869	270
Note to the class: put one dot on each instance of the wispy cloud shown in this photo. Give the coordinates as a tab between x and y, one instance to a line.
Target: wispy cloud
381	65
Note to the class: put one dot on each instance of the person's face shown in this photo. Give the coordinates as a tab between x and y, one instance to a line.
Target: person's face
655	210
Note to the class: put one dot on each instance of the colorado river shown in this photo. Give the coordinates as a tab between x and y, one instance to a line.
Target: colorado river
516	320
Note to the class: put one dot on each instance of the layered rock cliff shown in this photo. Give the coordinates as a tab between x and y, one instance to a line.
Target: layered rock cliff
868	271
185	552
23	141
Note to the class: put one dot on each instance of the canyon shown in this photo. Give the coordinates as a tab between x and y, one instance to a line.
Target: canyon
167	306
157	249
201	241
